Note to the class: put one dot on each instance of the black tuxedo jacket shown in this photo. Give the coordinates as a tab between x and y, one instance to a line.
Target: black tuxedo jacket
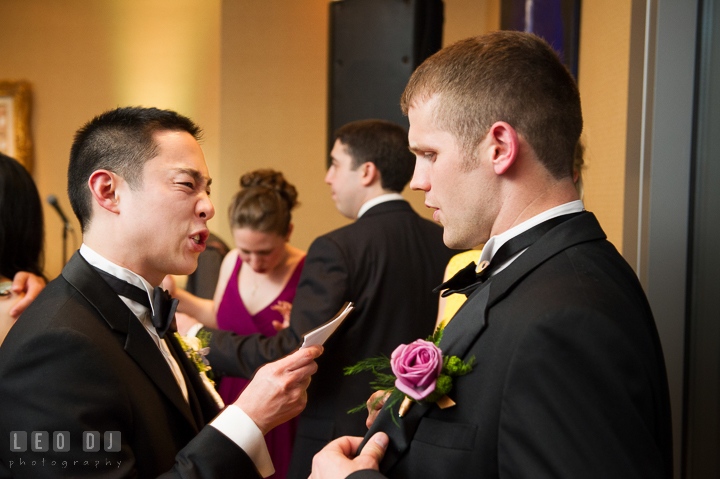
79	360
388	255
569	378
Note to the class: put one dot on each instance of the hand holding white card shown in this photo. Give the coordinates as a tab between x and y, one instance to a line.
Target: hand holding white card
320	334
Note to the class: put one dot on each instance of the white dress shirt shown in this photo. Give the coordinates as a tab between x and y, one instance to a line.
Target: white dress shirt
377	200
494	243
232	421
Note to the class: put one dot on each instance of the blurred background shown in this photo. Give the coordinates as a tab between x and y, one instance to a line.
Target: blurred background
254	74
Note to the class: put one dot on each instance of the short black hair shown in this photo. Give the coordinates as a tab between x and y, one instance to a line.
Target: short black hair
21	220
120	141
382	143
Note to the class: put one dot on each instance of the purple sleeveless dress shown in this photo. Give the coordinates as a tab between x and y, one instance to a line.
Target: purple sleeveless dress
233	316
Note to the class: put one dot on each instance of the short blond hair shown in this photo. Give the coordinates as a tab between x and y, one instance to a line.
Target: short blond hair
505	76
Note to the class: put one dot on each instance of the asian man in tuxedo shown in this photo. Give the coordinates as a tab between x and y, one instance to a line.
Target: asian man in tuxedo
93	353
569	378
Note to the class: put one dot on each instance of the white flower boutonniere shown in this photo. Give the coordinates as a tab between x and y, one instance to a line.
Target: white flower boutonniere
196	348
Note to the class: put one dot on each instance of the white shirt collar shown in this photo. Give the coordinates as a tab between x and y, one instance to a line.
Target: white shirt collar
494	243
138	309
377	200
121	273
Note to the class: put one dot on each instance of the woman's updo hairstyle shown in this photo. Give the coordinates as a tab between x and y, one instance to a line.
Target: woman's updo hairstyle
263	203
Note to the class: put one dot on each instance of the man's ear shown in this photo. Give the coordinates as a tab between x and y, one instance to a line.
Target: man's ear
103	186
369	173
504	144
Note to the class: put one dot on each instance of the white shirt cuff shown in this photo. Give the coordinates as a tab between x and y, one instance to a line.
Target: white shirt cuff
240	429
192	332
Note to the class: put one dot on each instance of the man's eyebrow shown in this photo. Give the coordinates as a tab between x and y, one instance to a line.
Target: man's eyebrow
197	176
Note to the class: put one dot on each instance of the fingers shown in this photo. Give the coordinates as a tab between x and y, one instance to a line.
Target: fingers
281	306
30	285
375	405
300	358
337	458
20	306
21	277
277	393
27	282
347	445
377	400
298	366
301	376
284	308
374	451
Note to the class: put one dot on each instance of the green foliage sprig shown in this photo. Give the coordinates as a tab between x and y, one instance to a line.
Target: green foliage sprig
452	367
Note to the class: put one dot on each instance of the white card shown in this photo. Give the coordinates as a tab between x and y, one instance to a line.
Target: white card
320	334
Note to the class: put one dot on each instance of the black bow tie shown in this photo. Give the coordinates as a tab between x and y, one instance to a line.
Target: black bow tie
164	305
469	278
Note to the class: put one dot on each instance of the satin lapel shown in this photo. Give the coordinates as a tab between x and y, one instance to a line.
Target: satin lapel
468	323
91	286
400	433
138	343
471	320
144	351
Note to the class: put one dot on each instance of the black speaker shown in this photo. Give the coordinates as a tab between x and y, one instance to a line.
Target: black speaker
374	47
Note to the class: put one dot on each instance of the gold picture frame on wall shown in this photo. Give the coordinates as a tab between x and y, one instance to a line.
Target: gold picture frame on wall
15	137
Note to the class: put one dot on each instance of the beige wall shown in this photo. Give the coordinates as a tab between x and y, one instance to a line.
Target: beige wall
253	73
274	100
274	78
85	56
603	83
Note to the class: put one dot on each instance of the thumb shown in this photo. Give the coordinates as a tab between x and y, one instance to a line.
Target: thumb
374	450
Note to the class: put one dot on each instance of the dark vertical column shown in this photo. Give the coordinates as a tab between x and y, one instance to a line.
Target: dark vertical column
374	47
664	263
702	431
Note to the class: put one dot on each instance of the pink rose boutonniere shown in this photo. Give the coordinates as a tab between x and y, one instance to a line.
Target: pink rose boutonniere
420	372
416	366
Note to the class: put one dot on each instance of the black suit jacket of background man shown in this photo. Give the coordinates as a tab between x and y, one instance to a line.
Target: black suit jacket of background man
569	378
387	263
79	360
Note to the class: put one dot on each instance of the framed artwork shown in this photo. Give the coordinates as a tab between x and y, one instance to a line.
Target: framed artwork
15	137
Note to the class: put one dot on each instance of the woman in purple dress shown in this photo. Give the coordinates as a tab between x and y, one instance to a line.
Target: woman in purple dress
257	282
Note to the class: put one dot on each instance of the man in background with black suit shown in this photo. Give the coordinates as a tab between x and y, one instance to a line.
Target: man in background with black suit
387	255
90	384
569	378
